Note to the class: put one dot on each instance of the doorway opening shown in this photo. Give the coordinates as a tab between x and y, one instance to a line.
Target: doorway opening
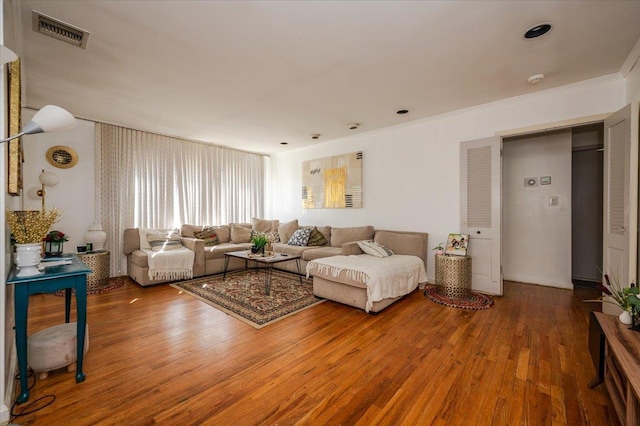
552	207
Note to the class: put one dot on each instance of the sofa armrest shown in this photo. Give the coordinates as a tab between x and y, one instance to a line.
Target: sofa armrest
197	246
351	248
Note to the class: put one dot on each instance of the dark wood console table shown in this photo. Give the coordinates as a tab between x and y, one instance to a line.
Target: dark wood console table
621	367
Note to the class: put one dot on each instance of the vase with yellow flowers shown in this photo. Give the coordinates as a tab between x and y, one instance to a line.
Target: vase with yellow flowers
28	228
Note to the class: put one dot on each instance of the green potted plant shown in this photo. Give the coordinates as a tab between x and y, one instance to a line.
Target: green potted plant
258	241
439	248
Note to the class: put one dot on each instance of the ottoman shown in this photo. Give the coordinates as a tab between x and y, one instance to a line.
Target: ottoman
54	347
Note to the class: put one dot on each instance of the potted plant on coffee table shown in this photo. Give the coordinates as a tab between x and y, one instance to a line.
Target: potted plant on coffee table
258	241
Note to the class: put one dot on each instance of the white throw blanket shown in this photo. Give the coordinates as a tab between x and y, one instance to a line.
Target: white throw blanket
386	277
170	264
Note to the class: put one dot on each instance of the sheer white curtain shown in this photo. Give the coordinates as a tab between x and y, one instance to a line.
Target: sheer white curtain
145	180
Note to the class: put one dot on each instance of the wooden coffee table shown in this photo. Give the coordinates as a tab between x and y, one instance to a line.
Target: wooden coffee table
268	261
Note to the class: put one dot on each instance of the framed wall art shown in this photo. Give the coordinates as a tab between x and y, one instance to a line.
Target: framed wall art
332	182
14	159
457	245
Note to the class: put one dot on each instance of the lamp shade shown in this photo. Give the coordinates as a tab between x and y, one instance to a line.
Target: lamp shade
6	55
50	118
48	178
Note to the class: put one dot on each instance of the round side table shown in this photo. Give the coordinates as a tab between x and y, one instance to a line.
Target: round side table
453	275
98	262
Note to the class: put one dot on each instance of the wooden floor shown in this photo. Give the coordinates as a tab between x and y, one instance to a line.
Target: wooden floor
157	356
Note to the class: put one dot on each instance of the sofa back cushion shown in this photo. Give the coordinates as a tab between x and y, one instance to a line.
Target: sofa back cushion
410	243
286	230
340	236
265	226
240	233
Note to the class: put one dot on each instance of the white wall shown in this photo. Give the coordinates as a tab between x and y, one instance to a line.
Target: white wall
411	171
74	195
536	237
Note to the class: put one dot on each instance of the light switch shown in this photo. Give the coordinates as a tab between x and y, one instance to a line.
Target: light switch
553	200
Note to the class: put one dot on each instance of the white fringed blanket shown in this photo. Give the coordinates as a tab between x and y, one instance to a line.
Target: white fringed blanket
170	264
384	278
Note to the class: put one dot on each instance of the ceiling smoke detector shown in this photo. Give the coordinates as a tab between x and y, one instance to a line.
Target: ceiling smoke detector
535	79
60	30
353	126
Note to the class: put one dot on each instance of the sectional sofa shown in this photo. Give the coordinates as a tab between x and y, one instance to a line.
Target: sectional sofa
339	241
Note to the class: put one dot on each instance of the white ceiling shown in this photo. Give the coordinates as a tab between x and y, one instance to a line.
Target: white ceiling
250	75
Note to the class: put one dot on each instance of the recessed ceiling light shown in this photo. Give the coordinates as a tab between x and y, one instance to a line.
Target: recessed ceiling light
537	31
315	135
353	126
284	143
402	111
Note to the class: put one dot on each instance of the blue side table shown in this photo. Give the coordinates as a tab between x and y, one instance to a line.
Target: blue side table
52	279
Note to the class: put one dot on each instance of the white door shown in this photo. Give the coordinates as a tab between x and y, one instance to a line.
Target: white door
480	192
620	198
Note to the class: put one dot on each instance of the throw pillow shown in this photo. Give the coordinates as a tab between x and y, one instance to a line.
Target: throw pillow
286	230
316	238
300	237
374	249
209	236
162	240
240	234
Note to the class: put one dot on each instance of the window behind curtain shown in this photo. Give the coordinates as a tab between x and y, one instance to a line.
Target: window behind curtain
145	180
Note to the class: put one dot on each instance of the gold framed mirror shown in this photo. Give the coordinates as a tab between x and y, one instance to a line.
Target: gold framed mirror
62	157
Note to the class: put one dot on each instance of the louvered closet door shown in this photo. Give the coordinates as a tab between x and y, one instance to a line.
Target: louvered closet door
480	204
621	196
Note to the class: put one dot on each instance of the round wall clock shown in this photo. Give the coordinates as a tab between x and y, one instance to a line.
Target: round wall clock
62	157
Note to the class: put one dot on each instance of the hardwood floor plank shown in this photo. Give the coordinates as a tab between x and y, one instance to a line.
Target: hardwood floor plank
160	356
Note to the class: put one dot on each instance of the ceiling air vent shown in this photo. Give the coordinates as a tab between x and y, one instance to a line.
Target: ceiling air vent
55	28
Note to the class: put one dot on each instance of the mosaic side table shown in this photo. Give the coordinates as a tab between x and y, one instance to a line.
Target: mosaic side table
98	262
453	275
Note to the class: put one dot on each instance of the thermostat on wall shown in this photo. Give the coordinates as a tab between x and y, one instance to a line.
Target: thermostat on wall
530	182
545	180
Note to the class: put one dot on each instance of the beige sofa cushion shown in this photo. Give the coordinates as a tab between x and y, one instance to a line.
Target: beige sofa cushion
263	225
320	252
218	251
240	234
287	249
402	243
286	230
339	236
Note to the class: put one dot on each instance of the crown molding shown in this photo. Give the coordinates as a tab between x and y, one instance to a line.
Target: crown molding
631	61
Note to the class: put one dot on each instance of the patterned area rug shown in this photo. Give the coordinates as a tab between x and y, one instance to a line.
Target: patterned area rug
241	295
476	301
